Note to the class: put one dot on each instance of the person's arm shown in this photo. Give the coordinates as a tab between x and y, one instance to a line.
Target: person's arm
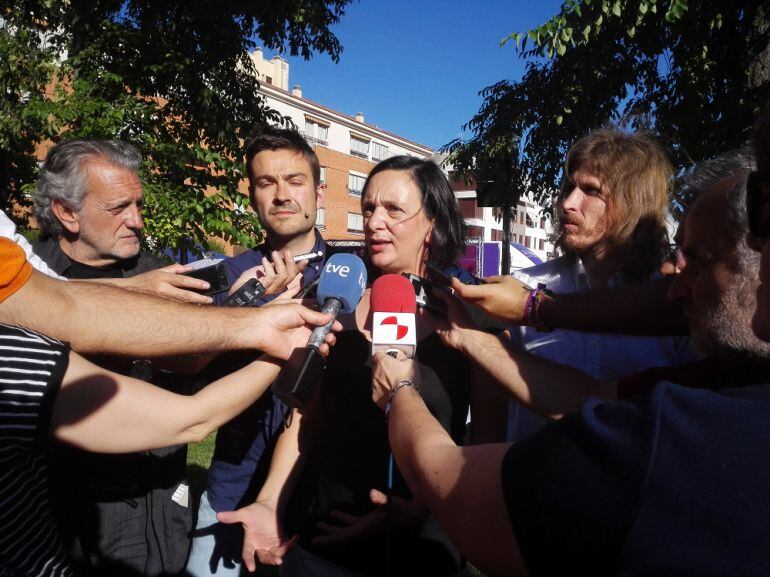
461	486
101	318
638	308
167	282
544	386
101	411
263	536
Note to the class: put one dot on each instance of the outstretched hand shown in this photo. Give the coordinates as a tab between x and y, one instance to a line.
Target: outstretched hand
403	513
502	297
263	538
281	327
168	282
450	328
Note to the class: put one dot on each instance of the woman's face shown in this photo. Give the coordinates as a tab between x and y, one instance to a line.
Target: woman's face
397	229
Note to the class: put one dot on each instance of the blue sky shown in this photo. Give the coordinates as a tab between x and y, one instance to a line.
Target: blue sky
415	67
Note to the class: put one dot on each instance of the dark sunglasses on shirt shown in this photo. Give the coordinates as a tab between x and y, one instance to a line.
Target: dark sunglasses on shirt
758	203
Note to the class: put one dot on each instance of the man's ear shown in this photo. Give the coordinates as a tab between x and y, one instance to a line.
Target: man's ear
320	193
66	216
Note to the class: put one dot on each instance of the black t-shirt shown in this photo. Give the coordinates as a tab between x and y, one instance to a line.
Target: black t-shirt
350	457
673	485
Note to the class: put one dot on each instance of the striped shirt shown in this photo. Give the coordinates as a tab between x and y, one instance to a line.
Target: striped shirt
31	370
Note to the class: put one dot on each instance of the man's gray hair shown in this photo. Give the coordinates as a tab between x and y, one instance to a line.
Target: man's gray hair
707	174
64	177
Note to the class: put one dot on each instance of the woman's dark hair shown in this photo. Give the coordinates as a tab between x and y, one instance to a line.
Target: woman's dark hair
449	228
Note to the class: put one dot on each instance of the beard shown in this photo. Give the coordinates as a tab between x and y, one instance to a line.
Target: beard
725	330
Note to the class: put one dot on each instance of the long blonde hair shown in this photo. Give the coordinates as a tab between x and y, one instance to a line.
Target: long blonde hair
636	178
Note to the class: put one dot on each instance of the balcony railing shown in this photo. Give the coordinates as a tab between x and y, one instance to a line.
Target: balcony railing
313	140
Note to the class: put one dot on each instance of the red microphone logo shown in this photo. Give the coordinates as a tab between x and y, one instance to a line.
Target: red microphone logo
392	321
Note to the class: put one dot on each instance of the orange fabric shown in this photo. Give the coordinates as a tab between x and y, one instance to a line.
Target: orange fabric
14	268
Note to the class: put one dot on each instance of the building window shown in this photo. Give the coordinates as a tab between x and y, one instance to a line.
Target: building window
355	184
542	244
323	175
379	151
527	242
316	132
542	222
529	222
355	222
320	219
359	147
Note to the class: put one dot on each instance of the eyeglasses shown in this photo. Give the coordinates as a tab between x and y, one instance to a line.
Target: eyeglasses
758	203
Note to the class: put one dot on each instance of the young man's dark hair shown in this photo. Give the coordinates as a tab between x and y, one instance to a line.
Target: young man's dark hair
282	139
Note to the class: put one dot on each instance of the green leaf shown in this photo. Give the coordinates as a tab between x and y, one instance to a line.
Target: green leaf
616	9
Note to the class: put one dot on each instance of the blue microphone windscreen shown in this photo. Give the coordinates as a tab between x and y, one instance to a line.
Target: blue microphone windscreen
343	278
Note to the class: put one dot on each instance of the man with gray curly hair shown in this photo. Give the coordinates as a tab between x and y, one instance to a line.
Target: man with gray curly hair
88	204
119	514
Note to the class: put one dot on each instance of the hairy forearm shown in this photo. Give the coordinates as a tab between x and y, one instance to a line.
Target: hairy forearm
638	308
102	318
547	387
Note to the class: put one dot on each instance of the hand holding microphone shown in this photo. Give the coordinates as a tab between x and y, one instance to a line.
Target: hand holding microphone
340	288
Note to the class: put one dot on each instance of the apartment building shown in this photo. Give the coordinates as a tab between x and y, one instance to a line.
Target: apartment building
531	229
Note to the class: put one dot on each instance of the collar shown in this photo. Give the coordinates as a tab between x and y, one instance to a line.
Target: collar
580	276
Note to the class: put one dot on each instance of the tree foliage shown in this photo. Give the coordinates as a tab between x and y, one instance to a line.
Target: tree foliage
693	72
173	78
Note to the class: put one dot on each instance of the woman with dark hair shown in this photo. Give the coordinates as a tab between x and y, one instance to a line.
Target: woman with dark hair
338	505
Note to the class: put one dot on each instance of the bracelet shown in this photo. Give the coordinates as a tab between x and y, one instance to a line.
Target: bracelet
535	320
403	383
528	307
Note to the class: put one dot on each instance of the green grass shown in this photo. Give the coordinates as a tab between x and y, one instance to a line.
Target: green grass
198	461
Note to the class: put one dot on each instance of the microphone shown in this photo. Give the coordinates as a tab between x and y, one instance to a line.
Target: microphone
393	307
342	283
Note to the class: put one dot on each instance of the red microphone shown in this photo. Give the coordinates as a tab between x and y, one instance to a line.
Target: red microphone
393	307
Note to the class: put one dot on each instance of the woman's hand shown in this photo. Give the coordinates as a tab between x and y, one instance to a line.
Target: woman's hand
404	513
454	325
387	371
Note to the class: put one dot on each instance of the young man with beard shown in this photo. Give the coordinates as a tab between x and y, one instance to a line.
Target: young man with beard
285	190
612	231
